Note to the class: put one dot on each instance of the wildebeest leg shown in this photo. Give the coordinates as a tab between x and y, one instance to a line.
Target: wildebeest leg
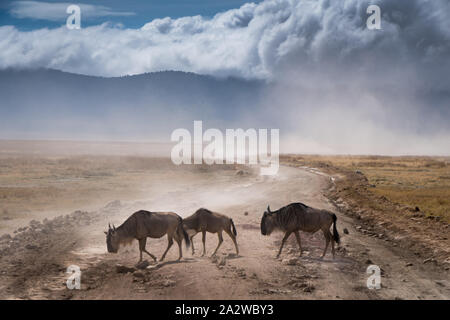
332	245
286	236
327	235
219	234
142	243
168	247
233	237
192	244
140	252
204	240
297	236
180	255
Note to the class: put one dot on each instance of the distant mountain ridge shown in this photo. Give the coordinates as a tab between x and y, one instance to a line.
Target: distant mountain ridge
47	102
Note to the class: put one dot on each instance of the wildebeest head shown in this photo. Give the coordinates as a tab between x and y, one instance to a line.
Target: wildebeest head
267	222
112	239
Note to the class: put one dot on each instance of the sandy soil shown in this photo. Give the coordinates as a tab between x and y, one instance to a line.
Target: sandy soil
33	263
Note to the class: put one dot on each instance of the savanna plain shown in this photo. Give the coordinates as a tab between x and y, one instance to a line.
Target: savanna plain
57	198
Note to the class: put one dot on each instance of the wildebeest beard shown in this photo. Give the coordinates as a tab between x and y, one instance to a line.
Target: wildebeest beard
263	226
268	223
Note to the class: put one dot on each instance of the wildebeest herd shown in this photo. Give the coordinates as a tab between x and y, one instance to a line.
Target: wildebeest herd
290	219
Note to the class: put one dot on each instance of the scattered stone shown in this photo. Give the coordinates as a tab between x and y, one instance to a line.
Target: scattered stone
345	230
31	247
246	213
241	173
142	265
290	261
368	261
309	288
428	260
34	223
358	227
168	283
241	273
124	269
417	209
5	237
409	264
222	261
138	274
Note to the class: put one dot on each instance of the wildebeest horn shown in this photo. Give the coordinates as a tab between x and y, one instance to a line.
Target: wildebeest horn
114	228
109	226
268	209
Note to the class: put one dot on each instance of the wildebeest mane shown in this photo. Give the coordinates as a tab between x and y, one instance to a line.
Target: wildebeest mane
289	215
128	229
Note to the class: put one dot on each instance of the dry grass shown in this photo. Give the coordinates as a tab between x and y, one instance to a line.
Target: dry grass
33	186
52	184
422	182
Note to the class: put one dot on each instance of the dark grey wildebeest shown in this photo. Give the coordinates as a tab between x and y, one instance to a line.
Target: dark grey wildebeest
204	220
143	224
297	217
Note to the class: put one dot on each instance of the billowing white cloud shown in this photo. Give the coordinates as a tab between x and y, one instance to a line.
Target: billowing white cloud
57	11
335	85
253	41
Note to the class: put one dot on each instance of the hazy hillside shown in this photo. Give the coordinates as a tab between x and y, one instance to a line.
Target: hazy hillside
55	104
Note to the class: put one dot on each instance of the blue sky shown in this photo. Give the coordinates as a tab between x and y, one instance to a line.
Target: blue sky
136	12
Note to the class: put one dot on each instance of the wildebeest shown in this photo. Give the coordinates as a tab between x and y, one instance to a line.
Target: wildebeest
143	224
297	217
204	220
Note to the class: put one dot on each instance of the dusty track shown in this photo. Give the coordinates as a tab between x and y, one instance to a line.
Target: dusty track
33	264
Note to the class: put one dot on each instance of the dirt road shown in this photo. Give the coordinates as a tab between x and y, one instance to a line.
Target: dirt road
33	263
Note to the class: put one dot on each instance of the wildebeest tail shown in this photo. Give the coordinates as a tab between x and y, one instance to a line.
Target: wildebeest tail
336	236
234	228
185	235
